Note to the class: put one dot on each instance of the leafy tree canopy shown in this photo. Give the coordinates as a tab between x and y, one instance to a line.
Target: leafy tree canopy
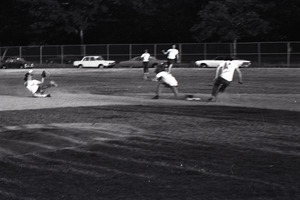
230	20
27	22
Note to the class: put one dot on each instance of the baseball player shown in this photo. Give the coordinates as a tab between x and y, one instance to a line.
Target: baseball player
224	76
166	79
145	58
173	55
36	87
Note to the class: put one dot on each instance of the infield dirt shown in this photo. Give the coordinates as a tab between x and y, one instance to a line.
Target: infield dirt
101	136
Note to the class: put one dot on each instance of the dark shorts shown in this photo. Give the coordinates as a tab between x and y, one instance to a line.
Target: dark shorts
166	85
171	61
222	81
219	86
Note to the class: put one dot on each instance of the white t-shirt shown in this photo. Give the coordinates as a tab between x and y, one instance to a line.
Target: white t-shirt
228	70
167	78
172	53
33	85
145	57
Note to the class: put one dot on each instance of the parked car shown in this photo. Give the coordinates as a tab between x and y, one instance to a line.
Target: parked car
137	62
94	61
219	59
16	62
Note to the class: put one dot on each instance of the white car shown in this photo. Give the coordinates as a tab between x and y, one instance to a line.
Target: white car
94	61
219	59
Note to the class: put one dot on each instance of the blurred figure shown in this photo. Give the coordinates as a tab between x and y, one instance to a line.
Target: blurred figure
145	57
224	76
36	87
165	79
172	56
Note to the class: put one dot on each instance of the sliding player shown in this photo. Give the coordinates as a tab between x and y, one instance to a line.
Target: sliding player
36	87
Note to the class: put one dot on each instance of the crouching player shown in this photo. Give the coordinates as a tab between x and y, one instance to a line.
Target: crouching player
36	87
164	79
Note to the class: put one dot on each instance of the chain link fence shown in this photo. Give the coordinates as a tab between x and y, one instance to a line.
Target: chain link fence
261	54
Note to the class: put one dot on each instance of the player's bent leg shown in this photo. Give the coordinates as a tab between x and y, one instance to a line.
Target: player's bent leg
175	90
49	85
146	76
224	86
158	91
170	68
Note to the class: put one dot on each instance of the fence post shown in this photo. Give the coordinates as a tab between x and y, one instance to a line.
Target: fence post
234	48
41	54
204	50
289	54
180	52
20	52
130	51
62	54
107	51
258	54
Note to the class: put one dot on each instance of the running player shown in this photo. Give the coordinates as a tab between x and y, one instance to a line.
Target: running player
145	58
224	76
173	55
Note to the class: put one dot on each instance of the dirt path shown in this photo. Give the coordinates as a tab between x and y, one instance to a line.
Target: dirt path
15	97
277	102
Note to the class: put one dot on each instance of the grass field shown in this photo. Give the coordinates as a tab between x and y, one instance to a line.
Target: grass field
101	136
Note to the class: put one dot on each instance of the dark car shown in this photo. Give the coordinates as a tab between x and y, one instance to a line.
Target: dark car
138	62
16	63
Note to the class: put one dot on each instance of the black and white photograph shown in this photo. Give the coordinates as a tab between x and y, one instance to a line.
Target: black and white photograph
149	100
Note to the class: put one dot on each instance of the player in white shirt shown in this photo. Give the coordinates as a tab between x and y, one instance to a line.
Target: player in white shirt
166	79
145	58
224	76
36	87
173	55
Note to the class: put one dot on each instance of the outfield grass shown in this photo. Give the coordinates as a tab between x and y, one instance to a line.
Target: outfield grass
101	136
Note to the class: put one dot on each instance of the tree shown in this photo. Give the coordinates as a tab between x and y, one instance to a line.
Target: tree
55	19
230	20
284	19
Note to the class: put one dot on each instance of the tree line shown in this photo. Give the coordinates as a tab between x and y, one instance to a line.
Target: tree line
38	22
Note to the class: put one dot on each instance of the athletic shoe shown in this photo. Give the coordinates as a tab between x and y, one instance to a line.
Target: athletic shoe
156	97
189	97
53	83
211	99
39	95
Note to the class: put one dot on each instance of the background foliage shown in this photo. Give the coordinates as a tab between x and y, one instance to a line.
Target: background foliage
27	22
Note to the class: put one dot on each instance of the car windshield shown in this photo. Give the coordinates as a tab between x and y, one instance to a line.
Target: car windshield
136	58
220	58
152	58
99	58
20	59
223	58
15	60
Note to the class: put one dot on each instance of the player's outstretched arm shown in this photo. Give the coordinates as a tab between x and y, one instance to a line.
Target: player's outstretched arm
43	75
